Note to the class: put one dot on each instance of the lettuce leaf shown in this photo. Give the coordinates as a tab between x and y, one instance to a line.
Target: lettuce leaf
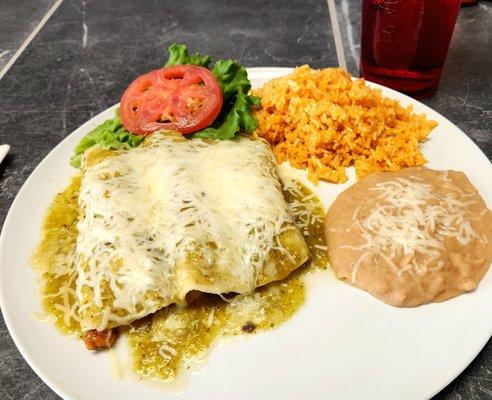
238	119
232	77
179	55
109	135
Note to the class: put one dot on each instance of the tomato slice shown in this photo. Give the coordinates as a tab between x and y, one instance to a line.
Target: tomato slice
183	98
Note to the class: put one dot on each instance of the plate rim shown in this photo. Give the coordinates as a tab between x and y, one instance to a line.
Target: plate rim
34	365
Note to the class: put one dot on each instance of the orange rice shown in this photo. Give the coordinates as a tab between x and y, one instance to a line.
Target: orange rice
324	121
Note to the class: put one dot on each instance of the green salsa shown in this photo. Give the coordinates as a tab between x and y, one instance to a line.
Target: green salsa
54	259
163	344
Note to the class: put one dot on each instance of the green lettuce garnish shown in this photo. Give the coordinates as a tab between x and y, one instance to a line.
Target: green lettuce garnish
109	135
232	77
235	116
237	119
178	55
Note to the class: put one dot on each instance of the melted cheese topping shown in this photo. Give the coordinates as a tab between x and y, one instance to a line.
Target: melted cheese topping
176	337
411	220
145	211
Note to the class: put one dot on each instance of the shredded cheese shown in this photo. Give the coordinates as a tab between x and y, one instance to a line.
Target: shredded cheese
166	351
409	220
306	211
144	211
210	319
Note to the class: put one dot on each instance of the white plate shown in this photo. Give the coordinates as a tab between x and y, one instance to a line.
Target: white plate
343	343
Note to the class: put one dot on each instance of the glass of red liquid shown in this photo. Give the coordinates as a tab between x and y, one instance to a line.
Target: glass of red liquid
404	42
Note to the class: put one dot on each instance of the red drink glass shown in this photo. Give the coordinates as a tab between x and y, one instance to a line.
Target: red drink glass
404	42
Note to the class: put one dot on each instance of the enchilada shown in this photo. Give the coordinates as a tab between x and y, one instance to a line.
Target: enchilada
175	217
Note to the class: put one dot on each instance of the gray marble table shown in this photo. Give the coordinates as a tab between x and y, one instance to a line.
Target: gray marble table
18	20
88	51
